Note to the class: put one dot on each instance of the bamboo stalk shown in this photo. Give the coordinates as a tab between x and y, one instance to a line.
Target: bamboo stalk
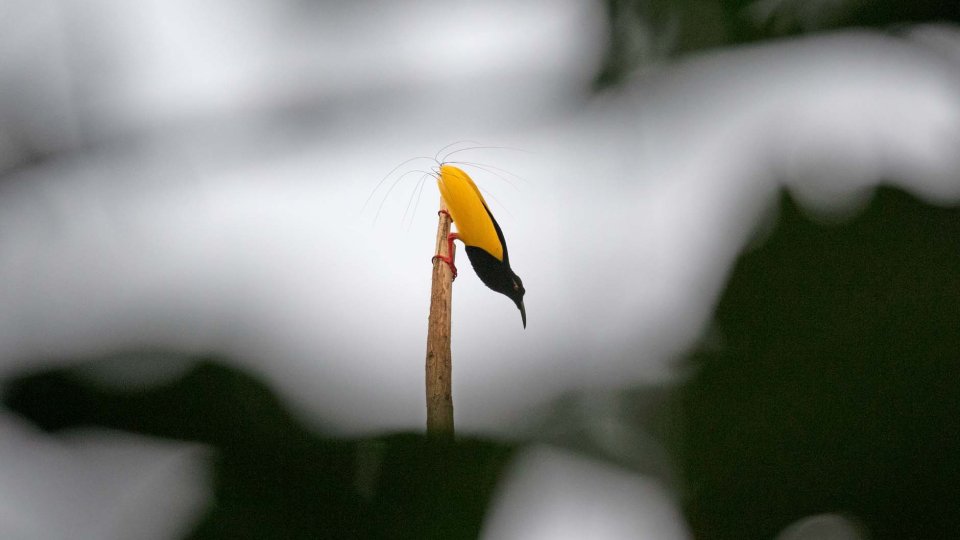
439	361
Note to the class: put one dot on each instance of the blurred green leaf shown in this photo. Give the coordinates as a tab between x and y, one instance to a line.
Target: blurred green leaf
645	32
834	385
273	478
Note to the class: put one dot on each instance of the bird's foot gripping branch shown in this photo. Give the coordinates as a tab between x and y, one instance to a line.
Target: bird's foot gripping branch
450	238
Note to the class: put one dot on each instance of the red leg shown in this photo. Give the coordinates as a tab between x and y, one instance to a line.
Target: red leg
445	258
450	238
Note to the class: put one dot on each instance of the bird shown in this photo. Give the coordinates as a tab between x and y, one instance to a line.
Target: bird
481	235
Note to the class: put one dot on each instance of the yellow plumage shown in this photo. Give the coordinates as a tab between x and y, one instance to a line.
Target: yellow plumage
469	211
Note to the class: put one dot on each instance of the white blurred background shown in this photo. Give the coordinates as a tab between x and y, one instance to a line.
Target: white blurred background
190	178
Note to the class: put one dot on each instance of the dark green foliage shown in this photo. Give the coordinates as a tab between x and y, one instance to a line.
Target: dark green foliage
272	477
212	404
836	386
647	31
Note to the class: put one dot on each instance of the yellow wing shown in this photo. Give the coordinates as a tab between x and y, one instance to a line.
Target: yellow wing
469	211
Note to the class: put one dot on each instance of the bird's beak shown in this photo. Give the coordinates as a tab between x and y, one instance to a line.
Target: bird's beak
523	313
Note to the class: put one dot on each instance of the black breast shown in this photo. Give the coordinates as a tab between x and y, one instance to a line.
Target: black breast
493	273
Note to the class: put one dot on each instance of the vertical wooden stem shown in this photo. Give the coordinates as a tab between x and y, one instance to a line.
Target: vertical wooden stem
439	365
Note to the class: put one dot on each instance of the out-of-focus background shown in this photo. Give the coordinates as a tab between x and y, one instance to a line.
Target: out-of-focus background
738	223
